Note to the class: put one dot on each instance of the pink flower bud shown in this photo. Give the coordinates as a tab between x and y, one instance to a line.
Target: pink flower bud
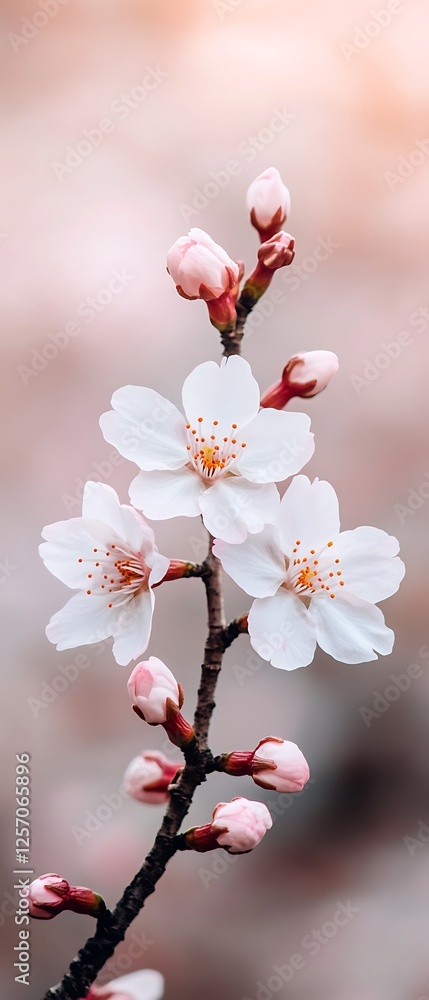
200	267
47	896
238	826
306	374
268	201
151	685
157	699
276	764
146	984
50	894
280	765
278	251
149	776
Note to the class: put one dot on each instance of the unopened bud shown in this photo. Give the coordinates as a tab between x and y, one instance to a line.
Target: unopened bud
157	699
149	776
177	570
276	252
201	269
306	374
50	894
275	764
268	201
279	251
237	826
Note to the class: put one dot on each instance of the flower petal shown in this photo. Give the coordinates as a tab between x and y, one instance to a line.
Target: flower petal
257	565
146	984
227	393
82	621
161	495
159	565
100	501
146	428
231	507
132	627
349	629
67	542
277	445
308	512
369	563
282	631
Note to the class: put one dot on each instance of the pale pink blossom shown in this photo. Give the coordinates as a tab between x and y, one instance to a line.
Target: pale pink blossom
221	461
305	374
268	201
200	268
149	776
314	584
108	555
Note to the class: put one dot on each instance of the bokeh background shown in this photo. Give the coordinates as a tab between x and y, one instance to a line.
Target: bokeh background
336	96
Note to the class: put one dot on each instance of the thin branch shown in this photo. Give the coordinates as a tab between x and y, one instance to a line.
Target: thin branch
199	762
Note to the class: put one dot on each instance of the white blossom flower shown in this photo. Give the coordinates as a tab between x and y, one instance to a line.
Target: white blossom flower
109	555
314	584
221	461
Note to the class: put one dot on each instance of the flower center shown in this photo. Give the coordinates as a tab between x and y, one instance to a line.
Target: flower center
319	570
212	454
116	569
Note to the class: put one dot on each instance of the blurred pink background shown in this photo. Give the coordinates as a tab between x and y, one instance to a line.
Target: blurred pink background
337	99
